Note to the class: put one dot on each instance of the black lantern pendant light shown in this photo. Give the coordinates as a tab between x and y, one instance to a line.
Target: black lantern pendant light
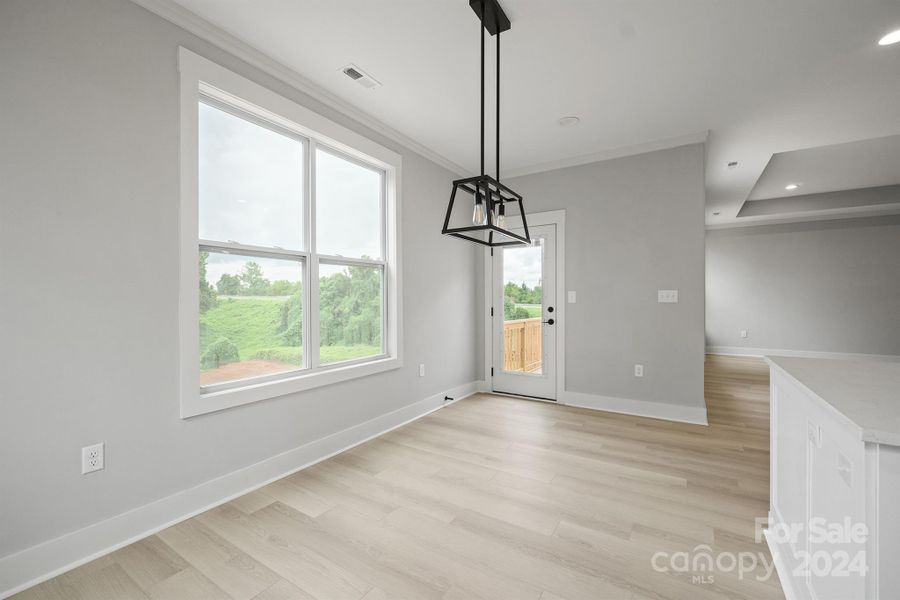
489	197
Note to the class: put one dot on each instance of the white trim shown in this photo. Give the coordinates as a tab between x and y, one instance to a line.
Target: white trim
550	217
695	415
36	564
741	351
779	552
873	512
304	380
559	217
488	273
191	22
198	76
584	159
829	214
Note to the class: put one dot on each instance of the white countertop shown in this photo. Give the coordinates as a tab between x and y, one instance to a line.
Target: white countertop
865	392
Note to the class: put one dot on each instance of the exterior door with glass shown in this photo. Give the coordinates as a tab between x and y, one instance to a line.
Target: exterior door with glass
525	317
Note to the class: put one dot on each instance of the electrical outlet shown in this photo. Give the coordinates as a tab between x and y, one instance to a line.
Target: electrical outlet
744	334
91	458
422	370
667	296
638	370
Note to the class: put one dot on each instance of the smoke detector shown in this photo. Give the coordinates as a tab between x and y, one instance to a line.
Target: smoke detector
360	77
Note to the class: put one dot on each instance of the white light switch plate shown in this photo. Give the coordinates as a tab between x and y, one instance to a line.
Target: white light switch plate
667	296
572	298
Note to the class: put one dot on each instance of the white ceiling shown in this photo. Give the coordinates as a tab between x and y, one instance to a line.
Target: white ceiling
762	77
854	165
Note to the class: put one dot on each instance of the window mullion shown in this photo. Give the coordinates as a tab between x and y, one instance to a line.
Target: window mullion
311	316
343	260
248	250
383	218
306	234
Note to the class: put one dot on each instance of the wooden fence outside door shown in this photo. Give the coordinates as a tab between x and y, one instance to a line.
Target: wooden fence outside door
522	345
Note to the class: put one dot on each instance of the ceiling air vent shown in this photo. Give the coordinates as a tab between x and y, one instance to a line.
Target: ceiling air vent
360	77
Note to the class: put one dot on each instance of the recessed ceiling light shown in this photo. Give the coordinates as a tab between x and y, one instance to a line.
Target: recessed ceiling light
891	38
791	186
568	121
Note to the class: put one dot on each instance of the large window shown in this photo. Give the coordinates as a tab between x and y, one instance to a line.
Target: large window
294	243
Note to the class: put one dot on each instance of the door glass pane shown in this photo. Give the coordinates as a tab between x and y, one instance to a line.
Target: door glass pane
522	308
250	182
251	316
350	309
348	208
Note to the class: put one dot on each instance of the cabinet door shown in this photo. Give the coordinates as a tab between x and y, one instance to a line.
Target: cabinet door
789	456
884	547
837	504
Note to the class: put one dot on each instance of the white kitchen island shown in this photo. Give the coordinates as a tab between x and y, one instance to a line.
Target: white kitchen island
835	478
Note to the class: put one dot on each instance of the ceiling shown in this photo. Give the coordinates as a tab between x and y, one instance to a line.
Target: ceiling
849	166
762	78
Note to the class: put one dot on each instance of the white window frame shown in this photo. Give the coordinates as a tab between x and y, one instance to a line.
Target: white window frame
201	78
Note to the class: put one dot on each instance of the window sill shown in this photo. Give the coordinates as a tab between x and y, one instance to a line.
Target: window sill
200	404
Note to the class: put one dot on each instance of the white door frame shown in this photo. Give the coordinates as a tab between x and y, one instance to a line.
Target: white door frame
551	217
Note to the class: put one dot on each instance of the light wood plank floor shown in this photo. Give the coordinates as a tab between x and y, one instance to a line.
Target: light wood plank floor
489	498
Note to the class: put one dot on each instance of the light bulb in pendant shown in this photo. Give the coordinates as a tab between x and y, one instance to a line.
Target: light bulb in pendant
479	215
500	216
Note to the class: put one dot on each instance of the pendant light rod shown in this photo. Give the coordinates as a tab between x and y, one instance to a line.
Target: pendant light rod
481	28
498	106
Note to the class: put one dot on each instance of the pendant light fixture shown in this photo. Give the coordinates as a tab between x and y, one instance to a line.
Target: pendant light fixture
489	198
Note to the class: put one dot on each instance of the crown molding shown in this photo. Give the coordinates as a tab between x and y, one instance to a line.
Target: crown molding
683	140
193	23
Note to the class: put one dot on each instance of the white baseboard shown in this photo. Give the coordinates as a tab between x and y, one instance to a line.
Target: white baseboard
782	554
784	574
742	351
640	408
36	564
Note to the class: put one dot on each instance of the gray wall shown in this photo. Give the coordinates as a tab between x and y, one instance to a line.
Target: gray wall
633	225
89	268
827	286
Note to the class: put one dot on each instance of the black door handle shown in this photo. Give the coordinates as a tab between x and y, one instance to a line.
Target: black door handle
549	321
